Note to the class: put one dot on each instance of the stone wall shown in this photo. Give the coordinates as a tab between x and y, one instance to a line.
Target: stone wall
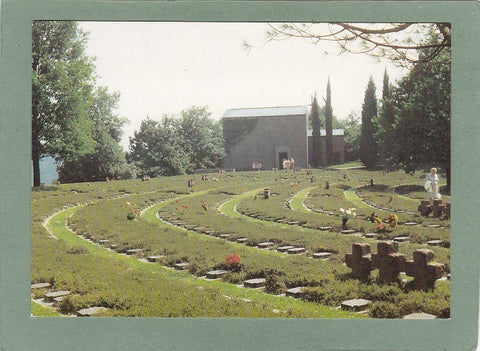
282	133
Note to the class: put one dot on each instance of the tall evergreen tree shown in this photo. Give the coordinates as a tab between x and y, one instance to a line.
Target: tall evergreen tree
387	123
316	151
328	125
62	85
368	147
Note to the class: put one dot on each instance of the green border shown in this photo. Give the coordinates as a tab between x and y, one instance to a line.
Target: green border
21	332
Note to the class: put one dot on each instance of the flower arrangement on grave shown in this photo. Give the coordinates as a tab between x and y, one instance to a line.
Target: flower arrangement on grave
381	228
182	209
346	214
232	261
393	220
132	211
375	219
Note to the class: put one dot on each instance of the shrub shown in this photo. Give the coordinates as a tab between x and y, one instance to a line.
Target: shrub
384	310
275	284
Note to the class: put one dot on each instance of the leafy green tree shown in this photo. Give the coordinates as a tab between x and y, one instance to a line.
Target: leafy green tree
201	138
62	84
367	144
352	136
328	125
316	125
107	160
422	113
177	145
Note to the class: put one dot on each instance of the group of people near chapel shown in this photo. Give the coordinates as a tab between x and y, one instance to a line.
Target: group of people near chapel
288	163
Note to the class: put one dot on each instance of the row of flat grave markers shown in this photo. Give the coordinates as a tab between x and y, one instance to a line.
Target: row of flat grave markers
58	296
390	263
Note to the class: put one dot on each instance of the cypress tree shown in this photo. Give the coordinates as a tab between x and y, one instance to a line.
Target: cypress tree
387	118
328	125
368	147
315	133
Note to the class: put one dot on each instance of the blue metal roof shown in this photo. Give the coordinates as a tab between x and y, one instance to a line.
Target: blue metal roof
267	111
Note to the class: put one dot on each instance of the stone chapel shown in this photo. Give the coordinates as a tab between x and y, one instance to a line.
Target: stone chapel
268	135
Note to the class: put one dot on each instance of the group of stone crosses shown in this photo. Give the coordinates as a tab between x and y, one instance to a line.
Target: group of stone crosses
390	263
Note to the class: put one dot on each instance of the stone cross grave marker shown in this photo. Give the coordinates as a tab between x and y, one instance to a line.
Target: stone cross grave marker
424	270
360	260
389	262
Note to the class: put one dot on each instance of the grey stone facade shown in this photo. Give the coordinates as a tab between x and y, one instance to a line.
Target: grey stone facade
272	138
268	135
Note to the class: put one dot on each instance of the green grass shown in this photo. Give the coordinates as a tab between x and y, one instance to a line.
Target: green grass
97	276
38	310
292	306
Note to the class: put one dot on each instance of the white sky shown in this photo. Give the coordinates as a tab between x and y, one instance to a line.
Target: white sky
164	68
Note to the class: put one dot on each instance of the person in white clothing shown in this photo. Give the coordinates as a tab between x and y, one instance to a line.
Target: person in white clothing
432	185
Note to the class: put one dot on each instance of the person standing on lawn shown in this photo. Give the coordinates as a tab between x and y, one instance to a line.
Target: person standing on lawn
432	185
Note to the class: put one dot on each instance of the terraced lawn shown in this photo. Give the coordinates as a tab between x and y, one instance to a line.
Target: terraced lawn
199	226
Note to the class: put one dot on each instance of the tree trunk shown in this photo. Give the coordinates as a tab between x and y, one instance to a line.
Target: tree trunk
36	169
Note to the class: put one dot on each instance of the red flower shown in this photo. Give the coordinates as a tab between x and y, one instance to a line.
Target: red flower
232	261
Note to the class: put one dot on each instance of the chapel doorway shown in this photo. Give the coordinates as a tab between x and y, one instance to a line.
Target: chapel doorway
282	156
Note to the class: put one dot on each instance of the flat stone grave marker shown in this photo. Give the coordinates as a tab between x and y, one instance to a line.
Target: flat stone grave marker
113	246
325	228
182	266
410	223
103	241
322	255
420	315
401	239
242	240
58	299
265	245
87	312
434	226
133	251
224	236
435	242
284	248
155	258
296	250
371	235
348	231
255	283
40	285
216	274
401	211
356	305
295	292
293	222
54	294
448	276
